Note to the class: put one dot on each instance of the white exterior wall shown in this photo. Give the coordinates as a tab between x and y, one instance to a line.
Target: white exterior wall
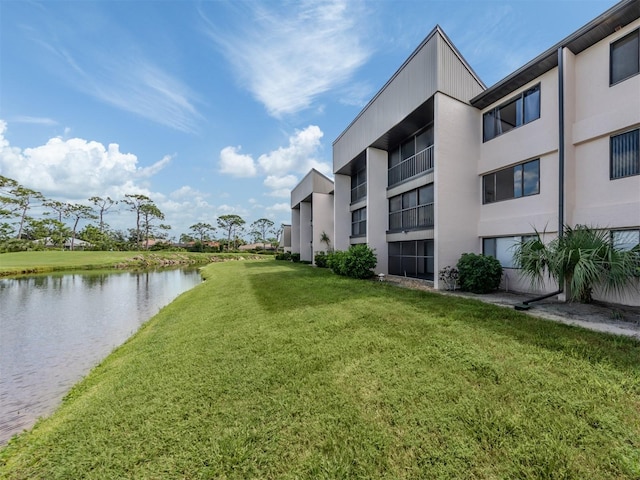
341	213
601	111
295	230
377	206
306	232
322	204
456	186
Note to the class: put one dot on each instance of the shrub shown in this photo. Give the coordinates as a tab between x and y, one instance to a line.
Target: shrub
479	273
449	276
284	256
357	262
295	257
321	259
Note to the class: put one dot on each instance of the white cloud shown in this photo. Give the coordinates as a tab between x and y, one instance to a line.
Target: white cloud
298	156
287	57
279	207
74	168
288	181
236	164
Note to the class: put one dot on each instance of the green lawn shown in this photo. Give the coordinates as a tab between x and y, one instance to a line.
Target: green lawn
56	260
280	370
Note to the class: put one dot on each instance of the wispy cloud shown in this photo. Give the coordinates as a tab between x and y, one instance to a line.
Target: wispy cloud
49	122
287	57
121	74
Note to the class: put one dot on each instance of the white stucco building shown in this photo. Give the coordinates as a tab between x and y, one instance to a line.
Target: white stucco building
437	164
312	215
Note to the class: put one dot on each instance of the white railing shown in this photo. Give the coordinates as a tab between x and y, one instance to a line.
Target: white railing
409	167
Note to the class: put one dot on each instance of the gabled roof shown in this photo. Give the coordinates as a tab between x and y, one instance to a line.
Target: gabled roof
599	28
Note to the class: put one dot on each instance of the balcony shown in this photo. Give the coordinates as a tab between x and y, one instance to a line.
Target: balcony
410	167
359	192
412	218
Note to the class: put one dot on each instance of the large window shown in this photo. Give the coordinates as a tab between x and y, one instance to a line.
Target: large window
625	154
413	209
625	239
412	259
518	111
503	248
513	182
359	184
359	222
625	57
412	157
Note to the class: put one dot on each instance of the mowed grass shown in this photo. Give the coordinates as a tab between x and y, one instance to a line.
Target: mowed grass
56	260
277	370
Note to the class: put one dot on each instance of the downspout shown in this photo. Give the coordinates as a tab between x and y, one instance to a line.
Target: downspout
560	143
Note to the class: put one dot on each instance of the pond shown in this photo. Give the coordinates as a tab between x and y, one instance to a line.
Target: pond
55	328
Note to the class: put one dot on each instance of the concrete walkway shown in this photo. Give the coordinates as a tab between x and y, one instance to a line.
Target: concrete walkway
614	319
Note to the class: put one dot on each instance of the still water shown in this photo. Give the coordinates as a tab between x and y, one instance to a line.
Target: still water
55	328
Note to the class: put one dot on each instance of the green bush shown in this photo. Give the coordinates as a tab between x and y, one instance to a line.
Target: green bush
295	257
479	273
321	259
357	262
284	256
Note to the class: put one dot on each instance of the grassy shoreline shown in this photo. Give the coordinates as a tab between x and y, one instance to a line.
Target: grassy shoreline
278	370
27	263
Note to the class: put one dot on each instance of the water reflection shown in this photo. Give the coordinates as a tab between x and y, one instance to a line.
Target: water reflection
55	328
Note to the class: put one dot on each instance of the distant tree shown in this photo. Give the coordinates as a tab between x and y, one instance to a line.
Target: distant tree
260	228
186	238
77	212
102	206
59	208
202	230
25	198
149	213
230	224
47	229
136	202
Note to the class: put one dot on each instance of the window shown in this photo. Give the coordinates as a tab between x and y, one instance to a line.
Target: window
359	222
625	239
518	111
412	259
412	157
513	182
503	248
359	185
412	209
625	154
625	58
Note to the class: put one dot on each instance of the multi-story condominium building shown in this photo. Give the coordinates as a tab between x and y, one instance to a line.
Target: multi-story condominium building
437	164
312	215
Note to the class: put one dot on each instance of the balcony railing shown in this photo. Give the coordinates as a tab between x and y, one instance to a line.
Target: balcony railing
414	217
419	163
358	192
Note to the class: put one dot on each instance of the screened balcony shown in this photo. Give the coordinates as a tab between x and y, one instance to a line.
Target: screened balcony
410	167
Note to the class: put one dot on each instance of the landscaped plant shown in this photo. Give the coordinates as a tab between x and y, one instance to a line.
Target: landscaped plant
321	259
284	256
295	257
357	262
479	273
450	276
582	259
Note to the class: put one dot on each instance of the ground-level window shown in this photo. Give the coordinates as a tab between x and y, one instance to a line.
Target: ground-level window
412	259
503	248
625	239
512	182
625	154
359	222
625	57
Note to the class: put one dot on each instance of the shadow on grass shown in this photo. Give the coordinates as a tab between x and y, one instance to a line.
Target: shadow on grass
283	286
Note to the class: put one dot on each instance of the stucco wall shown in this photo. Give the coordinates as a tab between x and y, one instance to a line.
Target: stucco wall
377	206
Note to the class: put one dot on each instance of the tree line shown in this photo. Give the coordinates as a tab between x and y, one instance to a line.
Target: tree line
28	219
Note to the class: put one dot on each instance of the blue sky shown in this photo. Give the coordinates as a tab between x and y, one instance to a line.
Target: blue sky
218	107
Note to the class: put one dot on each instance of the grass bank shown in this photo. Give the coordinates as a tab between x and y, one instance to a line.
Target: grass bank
21	263
278	370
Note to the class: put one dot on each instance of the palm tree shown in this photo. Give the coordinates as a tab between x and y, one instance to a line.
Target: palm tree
582	258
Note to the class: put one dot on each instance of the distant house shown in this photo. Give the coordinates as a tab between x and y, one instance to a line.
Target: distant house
77	243
257	246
